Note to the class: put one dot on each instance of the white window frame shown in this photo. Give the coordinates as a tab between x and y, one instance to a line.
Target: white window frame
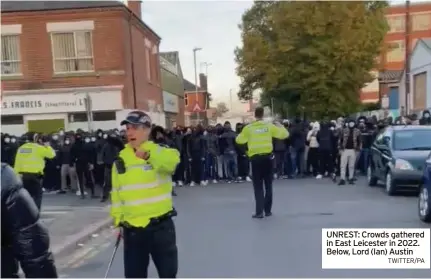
420	15
54	59
148	63
402	47
13	30
391	19
71	27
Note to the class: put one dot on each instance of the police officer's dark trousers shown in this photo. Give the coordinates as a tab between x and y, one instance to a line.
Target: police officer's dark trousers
32	182
262	175
158	239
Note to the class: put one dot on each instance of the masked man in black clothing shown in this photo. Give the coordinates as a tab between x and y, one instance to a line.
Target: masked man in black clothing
83	158
110	150
367	137
426	118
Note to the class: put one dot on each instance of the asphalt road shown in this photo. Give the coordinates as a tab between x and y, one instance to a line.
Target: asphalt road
218	238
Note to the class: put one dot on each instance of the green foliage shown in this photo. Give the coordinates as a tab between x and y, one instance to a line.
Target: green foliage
315	56
221	109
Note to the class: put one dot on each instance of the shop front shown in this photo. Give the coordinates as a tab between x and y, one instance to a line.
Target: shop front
171	108
47	111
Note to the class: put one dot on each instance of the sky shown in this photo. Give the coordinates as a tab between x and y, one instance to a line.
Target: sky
210	25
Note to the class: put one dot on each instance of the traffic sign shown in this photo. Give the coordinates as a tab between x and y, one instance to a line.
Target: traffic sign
197	108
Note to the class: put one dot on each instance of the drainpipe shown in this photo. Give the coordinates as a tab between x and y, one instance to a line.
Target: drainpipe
407	58
135	101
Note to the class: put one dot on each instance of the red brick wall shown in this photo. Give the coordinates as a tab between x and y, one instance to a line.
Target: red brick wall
111	50
193	98
414	8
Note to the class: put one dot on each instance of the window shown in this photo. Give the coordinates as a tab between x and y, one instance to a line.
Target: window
412	140
104	116
396	24
10	55
186	100
72	51
148	62
78	117
421	22
12	120
396	52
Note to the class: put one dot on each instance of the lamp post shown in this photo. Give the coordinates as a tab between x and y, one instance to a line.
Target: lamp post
196	49
206	65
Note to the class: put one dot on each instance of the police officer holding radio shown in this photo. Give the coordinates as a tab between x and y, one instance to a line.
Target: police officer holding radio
258	136
142	200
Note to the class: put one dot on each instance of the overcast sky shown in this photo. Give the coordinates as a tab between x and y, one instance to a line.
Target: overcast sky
211	25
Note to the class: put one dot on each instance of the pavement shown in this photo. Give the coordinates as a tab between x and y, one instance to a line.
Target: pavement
217	237
72	221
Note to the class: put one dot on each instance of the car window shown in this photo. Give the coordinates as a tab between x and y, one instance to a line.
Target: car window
412	140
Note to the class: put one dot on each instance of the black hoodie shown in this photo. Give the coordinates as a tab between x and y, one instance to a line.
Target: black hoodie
425	120
325	137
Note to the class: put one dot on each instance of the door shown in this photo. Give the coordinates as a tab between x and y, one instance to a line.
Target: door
419	91
46	126
394	100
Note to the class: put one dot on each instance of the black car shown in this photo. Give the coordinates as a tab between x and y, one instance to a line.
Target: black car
398	156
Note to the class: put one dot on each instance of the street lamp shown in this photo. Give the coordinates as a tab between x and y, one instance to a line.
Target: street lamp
206	65
196	49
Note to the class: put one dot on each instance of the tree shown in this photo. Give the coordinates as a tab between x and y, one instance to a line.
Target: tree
315	56
221	109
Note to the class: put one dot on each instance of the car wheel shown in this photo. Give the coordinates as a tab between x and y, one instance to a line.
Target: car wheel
390	186
372	180
424	205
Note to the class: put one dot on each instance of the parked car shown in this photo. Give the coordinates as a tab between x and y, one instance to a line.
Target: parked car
424	201
397	157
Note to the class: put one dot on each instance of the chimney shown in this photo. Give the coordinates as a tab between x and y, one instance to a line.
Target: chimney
135	7
203	83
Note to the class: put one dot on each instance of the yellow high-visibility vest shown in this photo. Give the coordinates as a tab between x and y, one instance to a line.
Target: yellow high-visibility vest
258	136
30	158
144	191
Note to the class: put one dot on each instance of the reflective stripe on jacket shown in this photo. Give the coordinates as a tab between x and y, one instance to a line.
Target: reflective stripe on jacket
30	157
144	190
258	136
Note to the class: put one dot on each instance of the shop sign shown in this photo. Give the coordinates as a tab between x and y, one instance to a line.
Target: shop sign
21	104
59	103
170	102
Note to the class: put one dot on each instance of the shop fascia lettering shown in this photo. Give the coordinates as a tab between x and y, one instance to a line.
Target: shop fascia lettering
13	104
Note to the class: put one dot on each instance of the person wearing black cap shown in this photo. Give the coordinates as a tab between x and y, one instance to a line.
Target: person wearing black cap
141	199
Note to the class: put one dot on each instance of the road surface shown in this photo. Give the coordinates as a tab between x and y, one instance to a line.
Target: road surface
218	238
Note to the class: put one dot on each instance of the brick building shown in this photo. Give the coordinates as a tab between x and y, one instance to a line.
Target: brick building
392	62
64	62
173	88
197	102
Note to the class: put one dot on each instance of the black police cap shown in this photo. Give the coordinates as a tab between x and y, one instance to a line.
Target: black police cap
137	118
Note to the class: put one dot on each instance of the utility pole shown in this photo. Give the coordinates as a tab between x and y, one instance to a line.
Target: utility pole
230	97
407	58
196	49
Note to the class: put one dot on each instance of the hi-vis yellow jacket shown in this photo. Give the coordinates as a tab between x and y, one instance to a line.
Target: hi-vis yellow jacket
144	191
258	136
30	158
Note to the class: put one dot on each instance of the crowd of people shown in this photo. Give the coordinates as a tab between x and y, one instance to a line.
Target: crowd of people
210	155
